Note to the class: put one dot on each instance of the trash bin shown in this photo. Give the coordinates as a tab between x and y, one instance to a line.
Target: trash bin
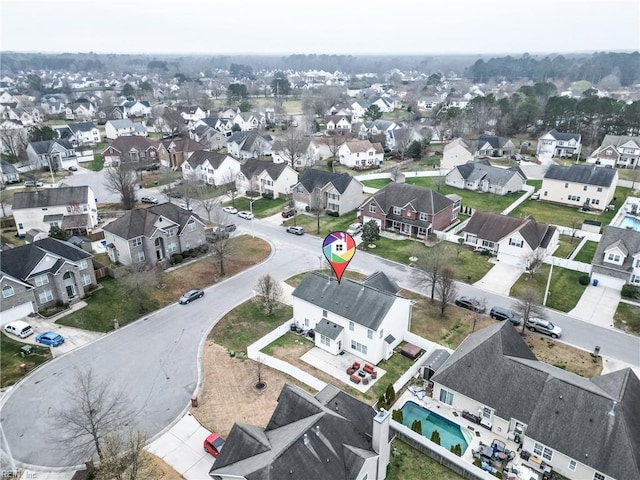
595	282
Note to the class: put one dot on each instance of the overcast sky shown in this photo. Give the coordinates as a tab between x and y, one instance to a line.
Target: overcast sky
320	26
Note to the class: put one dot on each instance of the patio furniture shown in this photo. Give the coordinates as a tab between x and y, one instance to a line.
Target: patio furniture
355	379
361	374
365	381
470	416
351	371
356	365
369	369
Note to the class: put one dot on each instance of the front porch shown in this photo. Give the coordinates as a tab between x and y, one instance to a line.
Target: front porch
407	228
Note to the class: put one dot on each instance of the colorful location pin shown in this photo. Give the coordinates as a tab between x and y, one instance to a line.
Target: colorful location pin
338	249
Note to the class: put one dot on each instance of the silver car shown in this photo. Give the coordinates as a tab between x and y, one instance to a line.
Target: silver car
544	326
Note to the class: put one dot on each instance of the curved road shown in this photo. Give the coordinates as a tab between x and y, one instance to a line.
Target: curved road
154	359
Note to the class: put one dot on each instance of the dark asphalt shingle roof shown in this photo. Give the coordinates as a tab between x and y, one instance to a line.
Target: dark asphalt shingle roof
312	179
141	221
45	146
198	158
494	227
253	166
328	329
493	140
8	168
133	142
623	238
590	175
49	197
381	281
483	170
349	299
564	136
81	127
401	194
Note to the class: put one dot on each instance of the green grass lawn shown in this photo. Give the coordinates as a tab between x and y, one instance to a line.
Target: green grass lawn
486	202
96	164
395	367
630	174
565	246
564	215
565	291
247	323
377	183
587	252
630	314
262	208
327	224
537	184
411	464
10	359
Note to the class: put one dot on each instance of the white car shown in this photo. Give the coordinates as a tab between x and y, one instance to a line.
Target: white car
354	229
231	210
246	215
184	206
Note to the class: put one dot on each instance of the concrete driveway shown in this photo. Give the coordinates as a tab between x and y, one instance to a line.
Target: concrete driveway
73	337
597	305
500	278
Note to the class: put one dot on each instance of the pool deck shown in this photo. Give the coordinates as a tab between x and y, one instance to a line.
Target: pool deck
485	436
625	211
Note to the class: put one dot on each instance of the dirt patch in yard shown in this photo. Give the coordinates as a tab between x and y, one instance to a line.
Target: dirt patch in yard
162	470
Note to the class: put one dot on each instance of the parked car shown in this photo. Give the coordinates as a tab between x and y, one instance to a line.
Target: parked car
190	296
213	444
354	229
50	338
296	230
19	328
152	200
231	210
73	168
246	215
185	206
290	212
174	194
502	314
470	304
33	183
544	326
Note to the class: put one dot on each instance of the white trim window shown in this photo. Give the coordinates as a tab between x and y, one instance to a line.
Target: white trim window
45	296
82	264
136	242
397	211
572	465
191	225
8	291
542	451
446	397
373	208
86	279
358	347
140	256
352	326
516	242
370	334
324	340
41	280
598	476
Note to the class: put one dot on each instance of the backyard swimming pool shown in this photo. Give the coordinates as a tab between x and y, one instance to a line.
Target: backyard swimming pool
450	433
630	222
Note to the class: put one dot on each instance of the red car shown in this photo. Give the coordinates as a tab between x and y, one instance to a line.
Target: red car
213	444
288	213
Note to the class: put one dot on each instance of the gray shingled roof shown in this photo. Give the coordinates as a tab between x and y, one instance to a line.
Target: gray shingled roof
45	146
617	140
589	175
133	142
401	194
20	261
124	123
141	221
81	127
313	438
493	140
312	179
564	136
625	239
253	166
564	411
328	329
352	300
474	171
494	227
182	144
381	281
198	158
8	168
49	197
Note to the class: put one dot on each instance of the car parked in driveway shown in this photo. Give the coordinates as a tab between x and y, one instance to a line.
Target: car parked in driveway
502	314
290	212
231	210
213	444
33	183
50	338
73	168
246	215
191	295
470	304
152	200
296	230
354	228
544	326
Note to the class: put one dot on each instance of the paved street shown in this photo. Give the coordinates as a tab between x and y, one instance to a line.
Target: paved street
154	360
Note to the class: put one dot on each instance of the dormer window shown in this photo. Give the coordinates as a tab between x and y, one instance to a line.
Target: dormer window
397	211
613	258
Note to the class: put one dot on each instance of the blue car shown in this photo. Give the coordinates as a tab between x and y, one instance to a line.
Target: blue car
50	338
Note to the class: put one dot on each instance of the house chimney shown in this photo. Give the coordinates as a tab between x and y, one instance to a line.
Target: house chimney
380	441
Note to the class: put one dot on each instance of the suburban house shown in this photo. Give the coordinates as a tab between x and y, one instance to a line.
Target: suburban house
385	105
249	145
457	152
484	177
209	137
400	139
558	144
511	240
153	234
137	108
222	125
340	124
617	259
360	154
131	149
81	109
80	134
331	435
554	414
73	209
8	173
52	154
248	121
41	274
367	319
493	146
336	192
211	168
376	127
191	113
409	210
580	185
103	114
617	151
304	152
174	151
124	128
266	177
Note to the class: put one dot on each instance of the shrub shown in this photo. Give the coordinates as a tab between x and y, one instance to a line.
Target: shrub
456	449
268	195
390	394
477	462
306	209
630	291
177	259
333	213
435	437
416	426
397	416
498	474
584	279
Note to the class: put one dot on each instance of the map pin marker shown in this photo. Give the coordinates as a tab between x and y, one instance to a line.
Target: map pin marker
338	249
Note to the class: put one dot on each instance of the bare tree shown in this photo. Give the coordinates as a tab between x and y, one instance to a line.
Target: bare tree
395	173
259	367
123	180
269	291
574	225
93	410
316	206
140	279
535	261
438	181
403	139
125	458
210	205
479	306
334	142
446	288
293	146
528	304
13	143
430	266
221	244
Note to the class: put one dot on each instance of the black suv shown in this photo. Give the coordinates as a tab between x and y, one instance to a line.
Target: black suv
502	314
470	304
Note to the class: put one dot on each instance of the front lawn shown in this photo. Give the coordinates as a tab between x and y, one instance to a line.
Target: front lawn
263	207
327	224
487	202
10	359
630	314
376	183
564	215
587	252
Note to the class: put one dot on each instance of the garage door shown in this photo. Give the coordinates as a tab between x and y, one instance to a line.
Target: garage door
17	313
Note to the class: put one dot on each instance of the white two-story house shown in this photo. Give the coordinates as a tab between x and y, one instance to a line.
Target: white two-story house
361	154
617	259
617	151
579	185
367	319
210	167
559	144
266	178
